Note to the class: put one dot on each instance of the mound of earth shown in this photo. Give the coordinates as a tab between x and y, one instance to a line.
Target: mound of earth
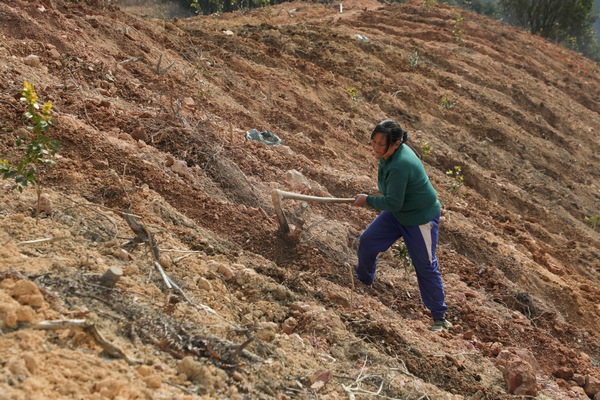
157	183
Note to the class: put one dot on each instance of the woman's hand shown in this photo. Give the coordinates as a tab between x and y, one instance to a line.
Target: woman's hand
361	200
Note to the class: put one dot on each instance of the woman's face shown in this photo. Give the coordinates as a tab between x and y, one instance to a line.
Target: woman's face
379	144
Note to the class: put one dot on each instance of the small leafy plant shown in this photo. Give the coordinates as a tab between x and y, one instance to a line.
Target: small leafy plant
427	4
457	179
414	59
458	31
400	252
447	102
353	95
40	150
593	221
425	149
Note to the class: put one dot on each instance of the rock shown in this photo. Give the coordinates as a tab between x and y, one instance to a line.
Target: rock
496	348
22	133
266	331
139	133
180	168
579	379
296	179
53	53
33	61
44	206
592	386
519	375
189	103
204	284
289	325
563	373
339	298
578	392
225	272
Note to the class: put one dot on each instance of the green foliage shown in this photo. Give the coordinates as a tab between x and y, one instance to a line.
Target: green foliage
425	149
400	252
414	59
447	102
568	22
195	5
457	179
40	150
427	4
218	7
353	95
593	221
458	30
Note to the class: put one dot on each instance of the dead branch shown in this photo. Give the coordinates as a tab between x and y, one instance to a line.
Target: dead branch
159	71
51	239
133	59
158	63
114	224
354	388
143	235
89	328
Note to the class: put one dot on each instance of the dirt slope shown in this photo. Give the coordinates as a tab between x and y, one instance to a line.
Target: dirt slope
152	117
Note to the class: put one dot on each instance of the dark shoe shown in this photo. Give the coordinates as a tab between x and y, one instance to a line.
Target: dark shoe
441	325
368	284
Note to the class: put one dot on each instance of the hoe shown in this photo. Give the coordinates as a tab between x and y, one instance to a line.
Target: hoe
278	196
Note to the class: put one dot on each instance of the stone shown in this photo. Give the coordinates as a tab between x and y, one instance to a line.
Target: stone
204	284
44	205
180	168
519	376
592	386
289	325
266	331
563	373
295	178
33	61
54	53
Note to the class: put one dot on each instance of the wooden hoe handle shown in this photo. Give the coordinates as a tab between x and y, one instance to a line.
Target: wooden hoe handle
278	196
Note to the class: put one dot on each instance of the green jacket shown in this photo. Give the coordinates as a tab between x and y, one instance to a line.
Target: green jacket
406	189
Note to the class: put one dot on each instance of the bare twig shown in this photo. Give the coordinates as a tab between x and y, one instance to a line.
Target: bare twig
158	63
90	329
143	235
159	70
51	239
114	236
133	59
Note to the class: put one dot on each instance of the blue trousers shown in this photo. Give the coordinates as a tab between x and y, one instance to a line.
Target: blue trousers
421	242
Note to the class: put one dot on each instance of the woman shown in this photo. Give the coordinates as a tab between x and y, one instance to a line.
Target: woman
409	209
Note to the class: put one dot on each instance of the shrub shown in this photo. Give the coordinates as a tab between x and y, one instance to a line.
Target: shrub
40	150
